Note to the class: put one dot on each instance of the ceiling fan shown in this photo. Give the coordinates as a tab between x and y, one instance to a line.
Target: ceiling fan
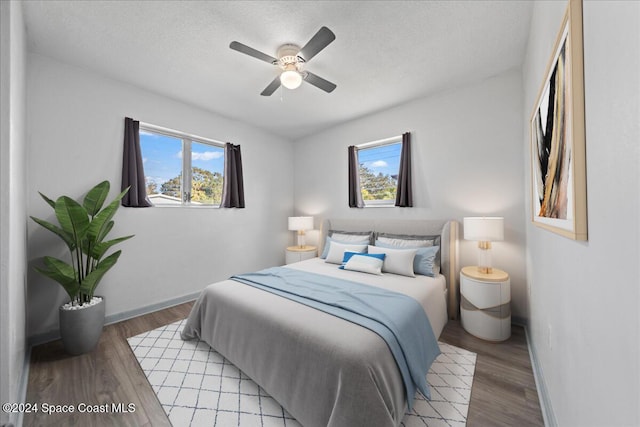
290	61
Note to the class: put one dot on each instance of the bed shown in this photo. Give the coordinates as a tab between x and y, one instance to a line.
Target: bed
326	371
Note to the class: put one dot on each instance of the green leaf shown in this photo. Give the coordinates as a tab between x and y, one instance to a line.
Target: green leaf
95	198
62	273
94	241
101	248
72	217
96	230
68	239
92	279
48	200
105	231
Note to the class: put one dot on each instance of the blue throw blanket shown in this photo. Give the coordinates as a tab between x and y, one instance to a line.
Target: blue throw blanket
399	319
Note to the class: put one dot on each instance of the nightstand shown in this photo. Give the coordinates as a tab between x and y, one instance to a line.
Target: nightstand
297	253
485	306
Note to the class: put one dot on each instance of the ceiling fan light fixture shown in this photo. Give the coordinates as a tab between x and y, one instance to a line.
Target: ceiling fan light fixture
291	79
291	59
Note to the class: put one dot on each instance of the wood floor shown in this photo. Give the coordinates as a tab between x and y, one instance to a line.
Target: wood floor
503	394
504	389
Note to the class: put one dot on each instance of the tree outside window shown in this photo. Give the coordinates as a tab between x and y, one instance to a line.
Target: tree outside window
378	172
181	170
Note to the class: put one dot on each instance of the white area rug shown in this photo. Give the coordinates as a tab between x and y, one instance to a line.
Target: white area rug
198	387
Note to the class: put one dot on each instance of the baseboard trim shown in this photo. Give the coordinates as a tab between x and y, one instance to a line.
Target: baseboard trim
520	321
125	315
117	317
548	416
24	382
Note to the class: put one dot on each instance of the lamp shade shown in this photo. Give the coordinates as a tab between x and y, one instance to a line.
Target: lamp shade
484	229
297	223
291	79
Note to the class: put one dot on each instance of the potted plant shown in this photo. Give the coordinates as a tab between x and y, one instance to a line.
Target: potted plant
83	228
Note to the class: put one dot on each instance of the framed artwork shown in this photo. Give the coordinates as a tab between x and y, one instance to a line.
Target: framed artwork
558	166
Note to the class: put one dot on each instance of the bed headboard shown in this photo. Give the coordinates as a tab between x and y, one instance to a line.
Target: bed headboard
447	229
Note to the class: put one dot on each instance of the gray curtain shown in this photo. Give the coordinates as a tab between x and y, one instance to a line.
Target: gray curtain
404	192
233	188
355	196
132	169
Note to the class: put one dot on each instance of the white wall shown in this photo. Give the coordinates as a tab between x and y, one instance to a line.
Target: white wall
76	122
584	301
12	204
467	160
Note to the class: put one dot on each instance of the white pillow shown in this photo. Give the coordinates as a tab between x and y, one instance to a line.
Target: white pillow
365	264
349	238
337	250
396	261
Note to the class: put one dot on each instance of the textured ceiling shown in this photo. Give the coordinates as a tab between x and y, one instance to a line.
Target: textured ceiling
385	53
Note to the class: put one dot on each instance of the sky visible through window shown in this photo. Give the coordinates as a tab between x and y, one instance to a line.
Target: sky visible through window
162	157
384	159
379	166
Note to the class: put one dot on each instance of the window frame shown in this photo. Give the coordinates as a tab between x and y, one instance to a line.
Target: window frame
187	139
391	203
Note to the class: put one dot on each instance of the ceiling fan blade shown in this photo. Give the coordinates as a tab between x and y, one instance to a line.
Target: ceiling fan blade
243	48
322	38
275	84
319	82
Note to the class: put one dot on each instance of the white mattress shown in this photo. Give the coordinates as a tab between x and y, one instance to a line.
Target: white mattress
430	292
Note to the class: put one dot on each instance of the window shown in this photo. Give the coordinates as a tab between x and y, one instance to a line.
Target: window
181	169
379	163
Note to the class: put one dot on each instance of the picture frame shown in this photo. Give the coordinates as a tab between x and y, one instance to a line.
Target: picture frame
557	126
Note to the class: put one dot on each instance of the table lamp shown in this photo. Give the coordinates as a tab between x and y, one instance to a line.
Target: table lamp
484	230
300	224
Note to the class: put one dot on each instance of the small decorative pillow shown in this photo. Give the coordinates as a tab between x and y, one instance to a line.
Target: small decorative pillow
347	256
337	250
364	263
355	239
426	261
396	261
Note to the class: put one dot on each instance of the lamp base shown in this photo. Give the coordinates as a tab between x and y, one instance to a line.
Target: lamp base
301	239
484	257
485	270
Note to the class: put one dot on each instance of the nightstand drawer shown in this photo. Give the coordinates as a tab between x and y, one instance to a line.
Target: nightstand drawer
485	294
490	325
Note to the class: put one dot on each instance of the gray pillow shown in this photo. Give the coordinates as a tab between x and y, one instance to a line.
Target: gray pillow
409	240
352	234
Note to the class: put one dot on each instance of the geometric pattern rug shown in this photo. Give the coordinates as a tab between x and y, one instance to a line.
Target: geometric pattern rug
198	387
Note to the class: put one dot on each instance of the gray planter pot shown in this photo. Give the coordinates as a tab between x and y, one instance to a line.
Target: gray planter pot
81	329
